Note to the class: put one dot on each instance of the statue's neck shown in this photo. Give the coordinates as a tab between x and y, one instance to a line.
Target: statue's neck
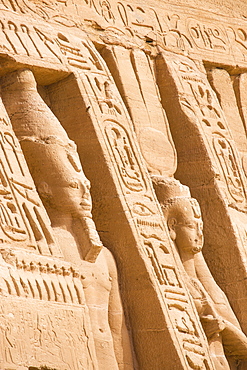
61	220
188	260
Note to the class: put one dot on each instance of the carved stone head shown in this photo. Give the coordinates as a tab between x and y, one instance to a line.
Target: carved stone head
66	189
182	213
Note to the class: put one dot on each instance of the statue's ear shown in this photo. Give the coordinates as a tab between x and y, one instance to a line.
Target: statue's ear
44	190
171	223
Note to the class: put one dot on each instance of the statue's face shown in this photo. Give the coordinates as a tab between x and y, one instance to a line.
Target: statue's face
77	195
74	197
68	189
188	227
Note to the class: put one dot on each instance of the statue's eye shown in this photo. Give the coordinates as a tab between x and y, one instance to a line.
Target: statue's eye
74	184
191	226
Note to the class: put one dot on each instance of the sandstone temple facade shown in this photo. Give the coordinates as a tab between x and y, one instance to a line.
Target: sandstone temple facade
123	185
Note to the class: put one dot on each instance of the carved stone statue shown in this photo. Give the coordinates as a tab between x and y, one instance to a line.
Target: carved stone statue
55	166
119	92
184	221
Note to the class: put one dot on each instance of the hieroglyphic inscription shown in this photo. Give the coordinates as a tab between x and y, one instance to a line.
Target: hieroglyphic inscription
154	245
50	281
207	36
171	29
135	79
200	102
26	40
62	338
24	222
124	157
178	304
231	171
39	277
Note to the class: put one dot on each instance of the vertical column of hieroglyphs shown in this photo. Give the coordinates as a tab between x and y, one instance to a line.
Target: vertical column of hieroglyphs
209	162
239	89
239	85
128	218
223	84
230	90
132	71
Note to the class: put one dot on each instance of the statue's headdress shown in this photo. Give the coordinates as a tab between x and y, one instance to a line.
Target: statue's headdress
170	191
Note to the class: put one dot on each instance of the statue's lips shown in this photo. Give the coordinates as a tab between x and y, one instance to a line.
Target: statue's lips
86	204
197	249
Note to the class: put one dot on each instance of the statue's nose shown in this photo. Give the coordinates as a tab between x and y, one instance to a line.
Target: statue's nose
85	185
200	229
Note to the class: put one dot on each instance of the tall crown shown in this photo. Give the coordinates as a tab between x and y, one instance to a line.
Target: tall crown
167	188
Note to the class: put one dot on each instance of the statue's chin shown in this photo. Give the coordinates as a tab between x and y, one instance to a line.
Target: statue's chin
197	249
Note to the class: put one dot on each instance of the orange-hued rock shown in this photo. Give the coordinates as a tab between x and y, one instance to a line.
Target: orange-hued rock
183	217
123	189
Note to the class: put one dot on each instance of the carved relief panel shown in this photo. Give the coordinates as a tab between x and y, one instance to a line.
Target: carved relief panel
199	103
103	112
61	338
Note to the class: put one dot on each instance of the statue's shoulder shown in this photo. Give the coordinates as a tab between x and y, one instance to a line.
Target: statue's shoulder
110	261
